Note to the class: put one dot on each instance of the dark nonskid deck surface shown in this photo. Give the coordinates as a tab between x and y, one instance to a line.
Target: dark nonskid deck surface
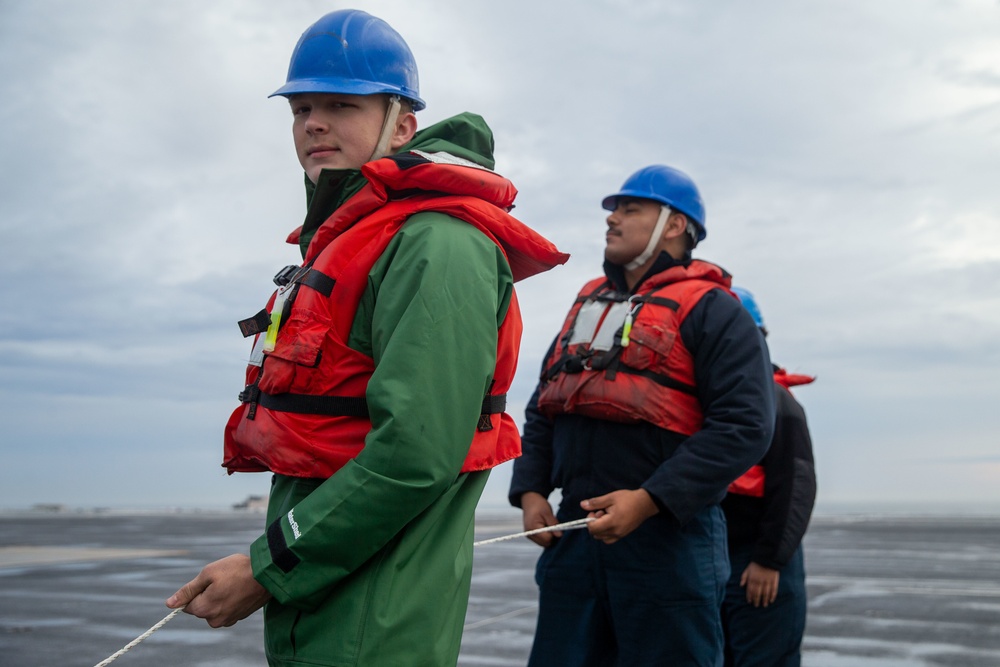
883	591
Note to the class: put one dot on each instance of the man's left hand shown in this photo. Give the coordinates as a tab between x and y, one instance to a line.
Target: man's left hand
618	513
761	584
223	593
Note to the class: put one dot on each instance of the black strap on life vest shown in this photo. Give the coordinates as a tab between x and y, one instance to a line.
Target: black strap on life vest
251	394
256	324
328	406
294	275
337	406
305	275
660	379
603	292
658	301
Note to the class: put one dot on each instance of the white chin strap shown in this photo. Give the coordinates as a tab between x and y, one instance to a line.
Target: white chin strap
388	128
654	239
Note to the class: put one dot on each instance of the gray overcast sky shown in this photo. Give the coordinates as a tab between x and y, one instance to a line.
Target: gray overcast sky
848	153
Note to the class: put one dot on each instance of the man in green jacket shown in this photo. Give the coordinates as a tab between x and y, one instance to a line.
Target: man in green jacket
377	382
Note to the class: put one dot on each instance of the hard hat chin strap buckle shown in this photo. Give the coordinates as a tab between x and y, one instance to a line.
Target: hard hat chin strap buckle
388	128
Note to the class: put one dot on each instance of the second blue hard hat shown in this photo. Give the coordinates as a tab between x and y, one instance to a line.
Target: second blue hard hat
750	303
668	186
352	52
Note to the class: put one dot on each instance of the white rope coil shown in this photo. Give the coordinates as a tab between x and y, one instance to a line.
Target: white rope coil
569	525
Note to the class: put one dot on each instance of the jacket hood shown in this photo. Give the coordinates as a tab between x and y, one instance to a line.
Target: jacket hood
466	136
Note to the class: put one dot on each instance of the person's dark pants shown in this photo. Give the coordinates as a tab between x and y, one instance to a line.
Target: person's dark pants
765	636
651	598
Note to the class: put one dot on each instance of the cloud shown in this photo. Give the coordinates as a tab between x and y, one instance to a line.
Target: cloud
846	154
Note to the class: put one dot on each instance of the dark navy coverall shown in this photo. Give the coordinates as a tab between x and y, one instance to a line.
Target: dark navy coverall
653	597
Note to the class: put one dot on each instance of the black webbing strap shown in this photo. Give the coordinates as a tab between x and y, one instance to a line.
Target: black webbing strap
338	406
659	301
250	394
302	275
320	282
305	275
494	404
603	292
281	555
256	324
328	406
660	379
618	297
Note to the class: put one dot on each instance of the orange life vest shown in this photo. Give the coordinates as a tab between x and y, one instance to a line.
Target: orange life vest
621	357
304	412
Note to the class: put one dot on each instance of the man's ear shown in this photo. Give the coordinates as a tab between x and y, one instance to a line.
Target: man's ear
676	225
406	127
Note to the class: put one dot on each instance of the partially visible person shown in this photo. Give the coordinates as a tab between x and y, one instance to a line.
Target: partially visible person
767	514
654	396
377	383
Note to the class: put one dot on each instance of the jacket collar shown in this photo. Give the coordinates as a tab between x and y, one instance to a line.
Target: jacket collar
616	272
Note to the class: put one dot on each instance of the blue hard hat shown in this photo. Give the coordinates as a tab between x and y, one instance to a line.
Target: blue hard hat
746	298
668	186
352	52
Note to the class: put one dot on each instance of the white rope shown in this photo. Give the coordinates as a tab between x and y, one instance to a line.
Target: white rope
569	525
128	647
501	617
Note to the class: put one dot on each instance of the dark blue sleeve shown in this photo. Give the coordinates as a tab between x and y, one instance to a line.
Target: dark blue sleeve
735	388
533	469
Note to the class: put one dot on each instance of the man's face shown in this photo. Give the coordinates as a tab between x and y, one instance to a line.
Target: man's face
629	228
335	131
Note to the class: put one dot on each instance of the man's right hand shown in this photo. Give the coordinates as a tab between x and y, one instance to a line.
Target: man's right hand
538	514
223	593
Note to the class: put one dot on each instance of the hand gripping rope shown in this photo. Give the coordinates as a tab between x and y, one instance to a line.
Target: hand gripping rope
569	525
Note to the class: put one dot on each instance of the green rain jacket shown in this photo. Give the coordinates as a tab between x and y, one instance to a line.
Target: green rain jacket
385	544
